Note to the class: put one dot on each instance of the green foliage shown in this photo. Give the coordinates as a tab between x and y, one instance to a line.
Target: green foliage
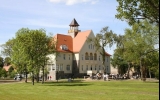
7	48
118	62
134	11
30	50
3	73
1	62
7	61
138	43
157	74
12	74
103	39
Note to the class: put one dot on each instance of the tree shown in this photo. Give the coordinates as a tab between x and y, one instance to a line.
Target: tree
103	39
138	42
118	62
31	48
7	61
1	62
136	10
3	73
7	48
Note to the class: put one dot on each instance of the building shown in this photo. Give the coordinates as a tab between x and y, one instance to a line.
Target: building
76	57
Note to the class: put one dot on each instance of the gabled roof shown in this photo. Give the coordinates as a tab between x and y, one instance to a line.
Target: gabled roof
79	40
107	54
6	67
74	23
74	44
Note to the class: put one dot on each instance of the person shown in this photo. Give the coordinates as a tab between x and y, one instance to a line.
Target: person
107	77
50	77
104	77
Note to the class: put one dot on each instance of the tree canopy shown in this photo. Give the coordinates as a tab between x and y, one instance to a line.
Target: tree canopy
136	10
138	43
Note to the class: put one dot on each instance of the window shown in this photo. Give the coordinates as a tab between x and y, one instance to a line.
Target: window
89	46
107	59
99	58
64	56
69	57
91	56
93	46
95	67
107	68
86	56
82	67
99	67
87	67
68	67
61	67
57	68
95	56
63	47
82	57
53	67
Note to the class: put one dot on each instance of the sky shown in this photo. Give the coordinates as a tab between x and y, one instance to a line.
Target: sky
55	16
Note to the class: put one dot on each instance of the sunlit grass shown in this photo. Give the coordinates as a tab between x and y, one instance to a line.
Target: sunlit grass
81	90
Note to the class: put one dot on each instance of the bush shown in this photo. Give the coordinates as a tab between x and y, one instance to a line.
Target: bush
157	74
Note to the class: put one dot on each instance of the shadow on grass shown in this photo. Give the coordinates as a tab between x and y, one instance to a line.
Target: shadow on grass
66	83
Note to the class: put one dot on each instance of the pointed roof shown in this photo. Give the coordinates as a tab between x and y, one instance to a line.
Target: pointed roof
74	23
80	39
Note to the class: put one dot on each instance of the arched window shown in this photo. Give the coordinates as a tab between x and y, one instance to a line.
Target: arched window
95	56
99	58
86	56
91	56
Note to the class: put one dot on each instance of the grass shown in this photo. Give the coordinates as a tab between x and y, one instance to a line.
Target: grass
81	90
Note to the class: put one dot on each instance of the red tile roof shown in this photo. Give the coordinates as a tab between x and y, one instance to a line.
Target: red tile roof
64	40
6	67
73	44
79	40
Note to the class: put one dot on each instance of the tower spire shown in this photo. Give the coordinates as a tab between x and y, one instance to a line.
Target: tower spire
73	28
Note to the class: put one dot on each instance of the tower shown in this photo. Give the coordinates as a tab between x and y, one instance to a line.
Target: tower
73	28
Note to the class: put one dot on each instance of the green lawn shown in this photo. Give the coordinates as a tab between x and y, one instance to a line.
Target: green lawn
81	90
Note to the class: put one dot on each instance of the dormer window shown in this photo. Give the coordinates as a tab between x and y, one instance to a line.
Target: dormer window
64	47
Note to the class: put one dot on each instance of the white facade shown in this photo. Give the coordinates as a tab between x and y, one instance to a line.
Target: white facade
80	56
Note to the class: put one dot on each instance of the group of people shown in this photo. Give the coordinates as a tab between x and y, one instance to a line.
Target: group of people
49	77
99	76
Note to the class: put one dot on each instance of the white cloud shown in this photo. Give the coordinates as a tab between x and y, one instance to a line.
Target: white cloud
72	2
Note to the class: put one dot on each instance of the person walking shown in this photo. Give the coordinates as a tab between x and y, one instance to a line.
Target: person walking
50	77
107	77
104	77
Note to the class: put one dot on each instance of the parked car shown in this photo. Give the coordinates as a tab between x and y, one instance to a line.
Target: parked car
18	77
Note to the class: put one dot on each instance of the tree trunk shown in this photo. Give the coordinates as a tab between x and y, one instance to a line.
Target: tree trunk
150	74
32	78
142	68
42	74
26	78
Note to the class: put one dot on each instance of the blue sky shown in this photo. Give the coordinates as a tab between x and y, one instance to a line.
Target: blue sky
55	16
